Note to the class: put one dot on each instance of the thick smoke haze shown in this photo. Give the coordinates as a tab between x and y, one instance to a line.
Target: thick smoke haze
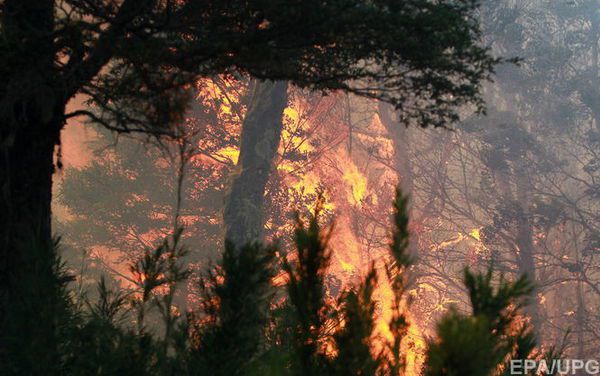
517	187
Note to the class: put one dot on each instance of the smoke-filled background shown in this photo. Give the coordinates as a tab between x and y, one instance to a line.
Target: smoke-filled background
517	188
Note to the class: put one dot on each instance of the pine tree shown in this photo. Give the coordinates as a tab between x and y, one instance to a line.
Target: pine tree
247	326
306	305
479	344
229	330
134	62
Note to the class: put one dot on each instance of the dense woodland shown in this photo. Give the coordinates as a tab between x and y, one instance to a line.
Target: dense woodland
298	187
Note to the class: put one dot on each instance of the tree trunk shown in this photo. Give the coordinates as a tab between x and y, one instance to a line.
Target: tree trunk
524	241
26	180
31	117
401	161
27	276
399	135
261	133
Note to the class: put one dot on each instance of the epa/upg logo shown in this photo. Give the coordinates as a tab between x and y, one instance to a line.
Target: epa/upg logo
554	367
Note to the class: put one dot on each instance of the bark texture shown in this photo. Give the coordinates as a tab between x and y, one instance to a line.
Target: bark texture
261	133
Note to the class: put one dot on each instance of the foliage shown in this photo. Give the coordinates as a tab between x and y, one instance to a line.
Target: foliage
517	186
133	60
134	64
236	297
124	200
480	343
245	325
353	341
40	314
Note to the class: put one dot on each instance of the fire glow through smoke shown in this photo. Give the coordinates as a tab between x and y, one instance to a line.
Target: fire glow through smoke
319	134
346	188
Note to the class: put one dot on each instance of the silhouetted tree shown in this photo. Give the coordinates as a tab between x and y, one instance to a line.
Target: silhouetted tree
134	60
244	325
480	343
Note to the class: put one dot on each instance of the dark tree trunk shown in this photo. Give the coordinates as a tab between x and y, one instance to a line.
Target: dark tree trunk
31	117
261	133
26	179
29	292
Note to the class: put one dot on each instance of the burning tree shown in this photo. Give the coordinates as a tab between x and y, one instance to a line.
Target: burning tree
515	187
242	325
134	63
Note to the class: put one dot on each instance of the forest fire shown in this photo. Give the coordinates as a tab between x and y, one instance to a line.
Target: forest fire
307	170
351	177
355	188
